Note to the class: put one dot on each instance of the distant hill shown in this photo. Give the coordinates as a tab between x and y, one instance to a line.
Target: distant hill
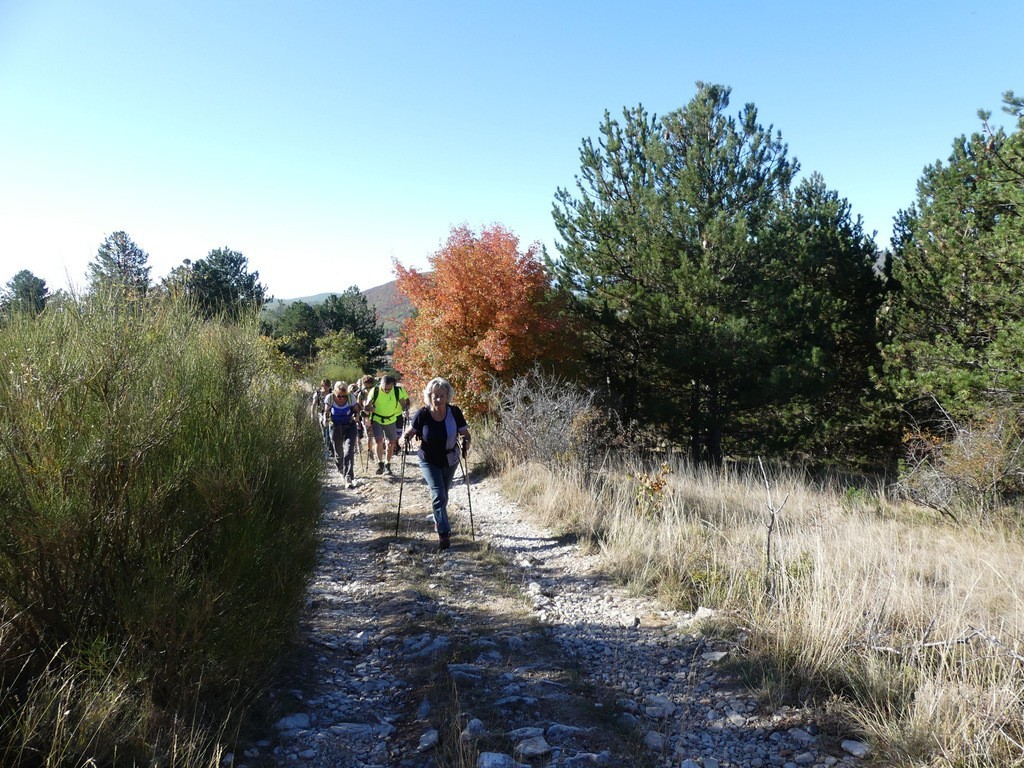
392	307
277	304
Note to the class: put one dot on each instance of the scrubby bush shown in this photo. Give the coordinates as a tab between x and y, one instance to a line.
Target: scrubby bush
544	418
159	495
974	468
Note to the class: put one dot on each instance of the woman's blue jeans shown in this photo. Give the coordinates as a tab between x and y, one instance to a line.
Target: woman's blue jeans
439	480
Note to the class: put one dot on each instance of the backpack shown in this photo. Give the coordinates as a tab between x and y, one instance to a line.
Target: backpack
317	406
341	415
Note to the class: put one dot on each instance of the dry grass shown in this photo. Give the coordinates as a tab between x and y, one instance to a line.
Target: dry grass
65	717
905	628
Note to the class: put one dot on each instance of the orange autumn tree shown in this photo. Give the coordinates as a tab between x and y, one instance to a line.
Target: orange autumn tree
485	310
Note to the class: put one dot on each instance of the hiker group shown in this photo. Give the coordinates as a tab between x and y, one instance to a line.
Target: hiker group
377	412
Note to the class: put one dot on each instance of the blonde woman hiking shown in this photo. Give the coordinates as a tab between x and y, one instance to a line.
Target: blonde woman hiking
341	413
438	426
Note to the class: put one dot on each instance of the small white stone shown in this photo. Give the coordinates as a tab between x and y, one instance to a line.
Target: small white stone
856	748
534	747
293	722
519	734
428	740
497	760
475	729
654	741
801	735
659	707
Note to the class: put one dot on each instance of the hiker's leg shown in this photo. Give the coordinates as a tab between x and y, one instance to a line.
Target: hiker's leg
435	477
391	435
447	473
378	439
337	442
348	462
449	478
326	429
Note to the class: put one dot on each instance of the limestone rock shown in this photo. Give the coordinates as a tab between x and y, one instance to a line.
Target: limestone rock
498	760
654	741
428	741
856	748
297	721
535	747
475	729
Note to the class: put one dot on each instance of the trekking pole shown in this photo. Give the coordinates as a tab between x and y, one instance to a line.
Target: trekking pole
367	431
465	479
401	484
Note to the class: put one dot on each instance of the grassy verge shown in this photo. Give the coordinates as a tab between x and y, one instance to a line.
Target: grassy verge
159	495
904	628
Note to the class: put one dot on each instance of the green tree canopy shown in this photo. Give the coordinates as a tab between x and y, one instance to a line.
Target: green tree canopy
341	349
827	292
955	320
297	327
119	265
659	254
304	332
350	311
676	257
221	284
25	293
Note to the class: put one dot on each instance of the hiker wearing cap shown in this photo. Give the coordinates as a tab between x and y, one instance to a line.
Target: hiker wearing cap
365	385
342	413
385	402
438	426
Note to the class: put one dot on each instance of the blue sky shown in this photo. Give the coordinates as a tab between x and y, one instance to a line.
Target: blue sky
325	139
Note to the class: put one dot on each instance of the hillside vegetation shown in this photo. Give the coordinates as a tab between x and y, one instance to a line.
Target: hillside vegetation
391	305
160	488
901	626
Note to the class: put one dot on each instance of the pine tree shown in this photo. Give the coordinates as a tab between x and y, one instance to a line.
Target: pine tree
119	265
25	293
660	252
221	284
824	294
955	321
350	311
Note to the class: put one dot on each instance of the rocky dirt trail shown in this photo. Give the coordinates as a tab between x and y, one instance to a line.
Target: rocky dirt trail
508	650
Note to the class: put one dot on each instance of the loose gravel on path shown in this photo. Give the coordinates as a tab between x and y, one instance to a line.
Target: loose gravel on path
508	650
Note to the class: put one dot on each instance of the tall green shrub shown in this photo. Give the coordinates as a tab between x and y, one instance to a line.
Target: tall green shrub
159	496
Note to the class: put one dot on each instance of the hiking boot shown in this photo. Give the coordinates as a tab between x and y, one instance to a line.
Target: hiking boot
387	469
444	542
380	468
